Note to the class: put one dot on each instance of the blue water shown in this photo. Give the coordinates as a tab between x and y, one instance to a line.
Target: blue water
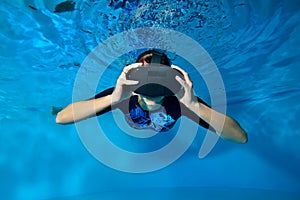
255	45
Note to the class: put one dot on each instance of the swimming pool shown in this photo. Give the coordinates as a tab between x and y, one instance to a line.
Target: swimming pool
255	45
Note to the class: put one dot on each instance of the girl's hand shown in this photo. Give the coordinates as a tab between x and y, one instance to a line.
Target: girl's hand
185	96
122	90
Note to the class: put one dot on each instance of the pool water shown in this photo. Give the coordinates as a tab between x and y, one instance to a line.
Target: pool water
255	46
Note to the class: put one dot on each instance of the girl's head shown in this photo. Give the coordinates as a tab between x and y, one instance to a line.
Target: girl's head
146	57
155	81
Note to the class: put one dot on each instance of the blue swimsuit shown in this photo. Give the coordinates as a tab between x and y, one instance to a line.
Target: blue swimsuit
141	119
160	120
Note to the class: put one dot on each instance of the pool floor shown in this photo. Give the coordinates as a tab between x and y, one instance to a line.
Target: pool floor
190	194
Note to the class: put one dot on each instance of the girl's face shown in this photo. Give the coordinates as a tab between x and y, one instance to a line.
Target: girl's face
152	100
151	103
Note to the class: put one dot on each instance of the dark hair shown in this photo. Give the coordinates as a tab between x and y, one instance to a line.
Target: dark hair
164	58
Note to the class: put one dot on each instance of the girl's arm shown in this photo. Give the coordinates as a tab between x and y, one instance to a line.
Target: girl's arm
226	127
101	103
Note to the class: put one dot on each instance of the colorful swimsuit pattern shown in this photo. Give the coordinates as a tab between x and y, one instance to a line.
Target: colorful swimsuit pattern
158	121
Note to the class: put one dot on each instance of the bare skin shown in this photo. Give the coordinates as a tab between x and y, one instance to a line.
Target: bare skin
81	110
226	127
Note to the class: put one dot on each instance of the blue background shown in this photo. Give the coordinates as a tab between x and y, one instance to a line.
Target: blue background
256	46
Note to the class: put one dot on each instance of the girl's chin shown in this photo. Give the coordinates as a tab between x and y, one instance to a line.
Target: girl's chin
152	100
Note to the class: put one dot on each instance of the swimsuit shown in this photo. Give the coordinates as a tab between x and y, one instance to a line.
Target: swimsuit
159	120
